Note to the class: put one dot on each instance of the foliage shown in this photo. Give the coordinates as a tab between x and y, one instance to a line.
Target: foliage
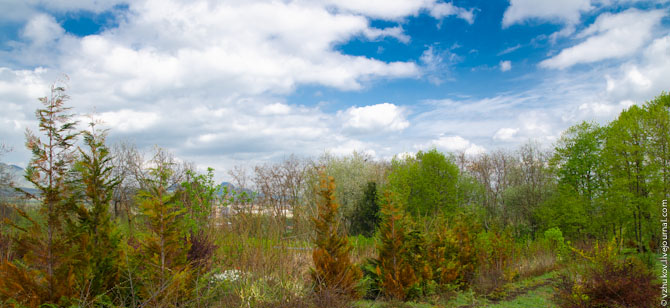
607	279
496	257
333	270
162	257
426	184
44	272
365	217
199	198
557	242
351	174
452	252
611	179
392	274
96	238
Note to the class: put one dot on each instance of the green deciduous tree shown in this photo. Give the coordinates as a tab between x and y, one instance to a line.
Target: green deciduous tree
426	183
626	164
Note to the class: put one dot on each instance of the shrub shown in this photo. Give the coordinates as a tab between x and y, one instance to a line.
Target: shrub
496	256
557	242
605	279
452	253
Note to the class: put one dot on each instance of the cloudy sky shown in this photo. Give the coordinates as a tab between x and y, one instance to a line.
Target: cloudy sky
223	83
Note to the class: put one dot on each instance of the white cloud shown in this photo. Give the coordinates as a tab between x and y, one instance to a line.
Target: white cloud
42	29
208	80
436	64
126	121
397	9
275	109
564	11
375	118
23	10
350	146
454	144
642	79
396	32
610	36
505	66
509	49
506	134
442	9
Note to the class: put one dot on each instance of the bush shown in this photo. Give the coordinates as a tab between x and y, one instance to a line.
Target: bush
605	279
496	256
452	253
557	243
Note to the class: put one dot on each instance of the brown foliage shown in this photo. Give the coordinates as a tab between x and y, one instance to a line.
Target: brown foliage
202	249
452	253
395	273
606	280
333	270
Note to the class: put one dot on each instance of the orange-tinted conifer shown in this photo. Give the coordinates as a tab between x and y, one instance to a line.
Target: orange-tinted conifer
333	270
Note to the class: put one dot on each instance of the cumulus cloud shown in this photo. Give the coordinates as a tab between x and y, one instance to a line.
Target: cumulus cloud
396	9
275	109
610	36
454	144
506	134
126	120
440	10
565	11
13	11
642	79
206	79
384	117
42	29
505	66
350	146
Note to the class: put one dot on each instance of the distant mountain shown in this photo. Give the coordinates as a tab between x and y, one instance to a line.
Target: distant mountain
16	175
232	187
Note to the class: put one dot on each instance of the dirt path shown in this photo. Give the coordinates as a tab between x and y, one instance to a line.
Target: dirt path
523	291
516	293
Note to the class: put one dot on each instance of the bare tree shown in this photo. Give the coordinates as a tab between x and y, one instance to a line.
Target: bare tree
131	166
280	185
241	177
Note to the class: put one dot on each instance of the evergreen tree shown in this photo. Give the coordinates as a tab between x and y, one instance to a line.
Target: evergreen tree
162	258
333	270
97	238
44	273
396	275
365	218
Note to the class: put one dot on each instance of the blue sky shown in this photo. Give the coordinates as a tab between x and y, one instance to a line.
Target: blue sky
225	83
